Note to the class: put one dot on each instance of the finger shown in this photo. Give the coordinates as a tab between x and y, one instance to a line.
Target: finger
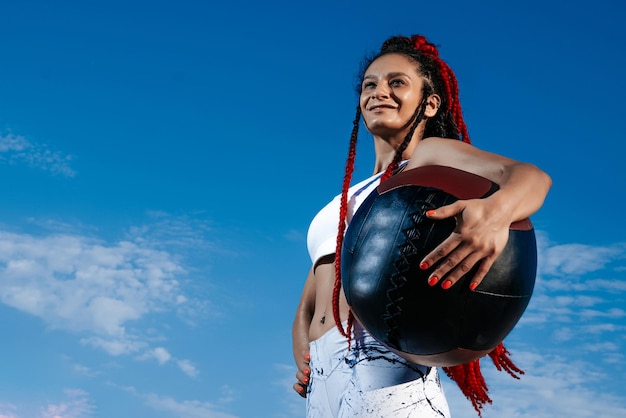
446	211
459	271
301	390
447	248
303	376
481	272
453	262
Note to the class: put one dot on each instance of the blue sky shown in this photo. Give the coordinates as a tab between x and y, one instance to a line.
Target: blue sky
160	162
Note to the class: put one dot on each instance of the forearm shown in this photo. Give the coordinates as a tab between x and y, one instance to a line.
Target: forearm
300	333
302	321
523	189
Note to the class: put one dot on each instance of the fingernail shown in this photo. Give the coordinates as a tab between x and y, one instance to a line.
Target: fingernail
424	265
433	281
300	389
431	212
446	284
307	371
307	357
305	379
473	286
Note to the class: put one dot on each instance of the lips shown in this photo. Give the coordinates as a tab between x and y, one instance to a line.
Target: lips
380	107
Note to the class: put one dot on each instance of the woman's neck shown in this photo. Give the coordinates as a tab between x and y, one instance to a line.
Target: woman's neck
386	151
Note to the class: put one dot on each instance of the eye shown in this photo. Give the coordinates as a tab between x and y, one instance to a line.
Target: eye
369	85
396	82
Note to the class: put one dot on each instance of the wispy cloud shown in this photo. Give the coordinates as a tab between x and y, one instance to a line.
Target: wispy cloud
553	386
292	404
188	367
78	283
578	259
75	404
16	149
101	290
8	410
570	341
179	408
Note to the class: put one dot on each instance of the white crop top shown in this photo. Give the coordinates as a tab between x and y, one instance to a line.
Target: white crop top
322	235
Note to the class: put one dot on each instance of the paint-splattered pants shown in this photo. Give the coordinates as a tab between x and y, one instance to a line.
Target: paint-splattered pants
369	381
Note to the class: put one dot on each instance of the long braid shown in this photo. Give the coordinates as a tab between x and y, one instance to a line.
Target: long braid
343	207
343	213
417	117
468	376
450	84
448	122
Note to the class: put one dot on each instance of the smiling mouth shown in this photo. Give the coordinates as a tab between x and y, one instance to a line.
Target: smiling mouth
380	107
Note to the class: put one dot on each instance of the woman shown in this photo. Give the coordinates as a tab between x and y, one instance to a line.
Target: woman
408	99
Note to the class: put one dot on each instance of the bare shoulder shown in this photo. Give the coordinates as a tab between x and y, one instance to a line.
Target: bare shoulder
458	154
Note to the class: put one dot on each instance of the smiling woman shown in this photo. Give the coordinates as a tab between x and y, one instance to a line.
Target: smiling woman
408	99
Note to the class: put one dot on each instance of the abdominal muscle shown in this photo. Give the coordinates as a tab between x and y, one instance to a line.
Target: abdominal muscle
323	320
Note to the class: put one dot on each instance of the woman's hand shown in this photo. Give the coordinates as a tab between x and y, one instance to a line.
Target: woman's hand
303	374
480	236
300	334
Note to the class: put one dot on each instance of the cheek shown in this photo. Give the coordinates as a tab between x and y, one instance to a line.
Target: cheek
363	102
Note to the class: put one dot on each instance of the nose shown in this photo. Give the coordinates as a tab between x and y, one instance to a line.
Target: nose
381	91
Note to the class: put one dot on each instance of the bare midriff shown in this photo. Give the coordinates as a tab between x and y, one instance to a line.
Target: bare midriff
323	320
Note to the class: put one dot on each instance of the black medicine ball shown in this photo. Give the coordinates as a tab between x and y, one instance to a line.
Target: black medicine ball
388	293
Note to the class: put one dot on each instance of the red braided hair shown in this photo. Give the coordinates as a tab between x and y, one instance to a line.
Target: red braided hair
343	213
468	376
421	44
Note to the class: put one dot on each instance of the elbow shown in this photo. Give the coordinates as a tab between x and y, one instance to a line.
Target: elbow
544	179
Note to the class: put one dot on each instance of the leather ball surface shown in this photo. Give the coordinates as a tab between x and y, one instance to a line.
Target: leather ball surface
388	293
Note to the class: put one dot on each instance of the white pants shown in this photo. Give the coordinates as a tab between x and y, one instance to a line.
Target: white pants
369	381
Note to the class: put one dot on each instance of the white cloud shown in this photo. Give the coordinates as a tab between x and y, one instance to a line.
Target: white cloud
114	346
77	283
292	404
84	370
75	404
179	409
183	409
552	387
162	355
8	410
15	149
576	259
187	367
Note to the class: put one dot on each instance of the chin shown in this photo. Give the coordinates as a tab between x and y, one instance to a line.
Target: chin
384	129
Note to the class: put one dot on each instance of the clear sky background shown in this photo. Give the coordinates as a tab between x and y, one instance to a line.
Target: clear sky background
160	162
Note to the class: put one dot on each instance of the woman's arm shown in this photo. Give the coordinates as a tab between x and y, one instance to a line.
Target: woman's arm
300	334
482	224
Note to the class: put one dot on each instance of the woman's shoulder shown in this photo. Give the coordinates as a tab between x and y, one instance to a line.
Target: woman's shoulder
439	151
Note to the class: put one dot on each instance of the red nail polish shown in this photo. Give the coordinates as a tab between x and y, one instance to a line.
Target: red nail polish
446	284
305	380
431	212
307	357
300	389
307	371
424	265
473	286
433	281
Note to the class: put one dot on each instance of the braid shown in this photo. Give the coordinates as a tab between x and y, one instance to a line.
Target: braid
418	116
343	213
450	84
448	122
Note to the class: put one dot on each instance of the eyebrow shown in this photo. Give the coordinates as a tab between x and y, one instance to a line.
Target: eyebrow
390	75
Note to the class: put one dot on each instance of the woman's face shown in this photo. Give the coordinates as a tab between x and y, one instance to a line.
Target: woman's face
390	94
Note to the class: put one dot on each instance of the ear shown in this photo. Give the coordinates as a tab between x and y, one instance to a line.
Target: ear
432	105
